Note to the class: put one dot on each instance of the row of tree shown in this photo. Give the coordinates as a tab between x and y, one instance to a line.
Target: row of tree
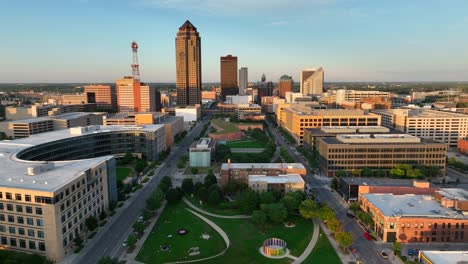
401	171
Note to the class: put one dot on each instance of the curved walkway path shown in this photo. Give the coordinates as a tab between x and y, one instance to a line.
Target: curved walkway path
194	207
311	245
217	229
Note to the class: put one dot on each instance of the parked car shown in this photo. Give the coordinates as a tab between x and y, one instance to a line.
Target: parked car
410	252
368	236
383	254
350	214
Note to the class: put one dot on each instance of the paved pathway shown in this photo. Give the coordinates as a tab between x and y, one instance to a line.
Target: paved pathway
213	215
311	244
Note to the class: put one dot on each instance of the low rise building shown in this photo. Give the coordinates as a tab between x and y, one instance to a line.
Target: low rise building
462	145
173	125
442	257
190	113
133	118
283	183
442	126
414	219
378	151
241	171
202	152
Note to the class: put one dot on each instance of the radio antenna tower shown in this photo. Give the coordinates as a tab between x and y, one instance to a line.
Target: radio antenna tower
135	65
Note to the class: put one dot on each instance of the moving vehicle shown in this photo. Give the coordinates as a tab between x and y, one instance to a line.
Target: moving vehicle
368	236
350	214
383	254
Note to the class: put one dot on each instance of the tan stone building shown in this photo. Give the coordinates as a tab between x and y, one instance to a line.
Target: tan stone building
296	117
188	65
312	81
135	96
104	96
441	126
283	183
377	151
416	218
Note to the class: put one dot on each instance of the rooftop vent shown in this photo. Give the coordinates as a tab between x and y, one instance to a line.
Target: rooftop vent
39	169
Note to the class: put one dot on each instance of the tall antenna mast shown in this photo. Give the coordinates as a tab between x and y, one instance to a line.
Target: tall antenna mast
135	65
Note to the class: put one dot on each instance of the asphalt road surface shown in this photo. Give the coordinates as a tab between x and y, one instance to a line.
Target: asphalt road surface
108	241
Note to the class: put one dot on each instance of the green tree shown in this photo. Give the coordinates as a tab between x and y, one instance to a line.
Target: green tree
197	186
173	196
131	240
334	184
155	200
210	179
267	197
356	173
397	173
194	170
140	166
354	207
108	260
309	209
138	227
214	198
366	172
102	215
259	218
334	225
78	242
292	200
397	248
203	194
340	173
248	201
187	185
344	239
380	173
91	223
276	212
326	213
165	184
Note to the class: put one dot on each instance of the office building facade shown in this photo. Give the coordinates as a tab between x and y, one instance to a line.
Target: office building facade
312	81
104	96
229	84
285	84
243	80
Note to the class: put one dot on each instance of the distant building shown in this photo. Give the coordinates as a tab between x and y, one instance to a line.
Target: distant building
210	95
241	171
463	145
357	96
228	76
238	99
282	183
27	112
73	99
158	104
446	127
104	96
377	151
285	84
190	113
442	257
188	65
135	96
131	118
243	80
297	97
264	89
312	81
202	152
416	218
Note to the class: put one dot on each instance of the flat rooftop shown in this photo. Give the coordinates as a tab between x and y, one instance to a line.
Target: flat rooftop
446	257
377	181
66	116
280	179
376	139
225	166
14	171
454	193
421	113
308	110
410	205
123	115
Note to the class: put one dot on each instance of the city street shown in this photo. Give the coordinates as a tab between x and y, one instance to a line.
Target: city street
368	250
108	241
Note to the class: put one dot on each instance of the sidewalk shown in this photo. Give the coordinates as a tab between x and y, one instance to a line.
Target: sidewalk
344	258
130	257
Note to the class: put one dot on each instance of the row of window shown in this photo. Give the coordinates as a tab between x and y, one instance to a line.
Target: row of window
20	220
21	231
21	243
19	208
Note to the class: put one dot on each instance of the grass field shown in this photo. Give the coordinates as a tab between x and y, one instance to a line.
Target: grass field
323	252
245	144
122	173
173	218
246	239
226	126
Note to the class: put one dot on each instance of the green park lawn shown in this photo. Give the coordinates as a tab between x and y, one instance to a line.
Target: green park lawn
246	239
122	173
323	252
245	144
226	126
173	218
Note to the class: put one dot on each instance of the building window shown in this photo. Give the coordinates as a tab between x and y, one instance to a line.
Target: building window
9	207
1	206
18	196
30	232
11	219
40	234
8	196
20	220
2	229
41	246
3	240
22	243
11	230
13	242
39	222
27	197
32	244
38	210
30	221
29	210
21	231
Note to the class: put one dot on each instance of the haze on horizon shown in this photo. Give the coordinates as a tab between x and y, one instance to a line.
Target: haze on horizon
354	40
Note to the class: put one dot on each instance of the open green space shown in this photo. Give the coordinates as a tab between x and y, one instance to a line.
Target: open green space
173	218
227	127
245	144
323	252
246	239
122	173
214	209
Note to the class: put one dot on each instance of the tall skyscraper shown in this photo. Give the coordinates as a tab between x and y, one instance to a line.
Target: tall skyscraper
188	65
312	81
228	76
243	80
285	84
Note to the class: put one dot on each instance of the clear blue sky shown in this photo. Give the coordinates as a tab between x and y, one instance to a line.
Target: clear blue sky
354	40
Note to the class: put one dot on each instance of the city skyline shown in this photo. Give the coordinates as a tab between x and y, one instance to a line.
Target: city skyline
353	40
